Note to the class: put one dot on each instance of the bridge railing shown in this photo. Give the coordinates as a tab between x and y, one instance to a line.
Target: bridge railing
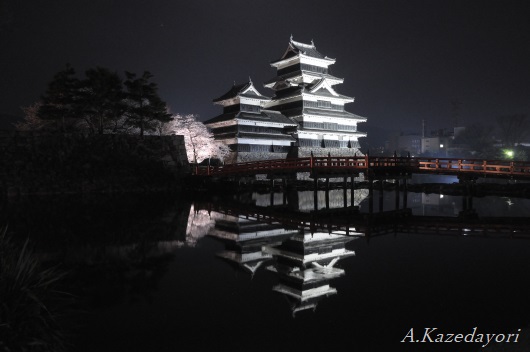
357	163
363	163
493	167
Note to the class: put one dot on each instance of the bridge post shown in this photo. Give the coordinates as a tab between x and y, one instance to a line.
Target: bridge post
272	189
370	195
345	191
405	193
397	193
381	193
327	192
284	190
352	190
315	193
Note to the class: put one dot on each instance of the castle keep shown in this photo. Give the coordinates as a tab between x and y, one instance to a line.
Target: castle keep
305	115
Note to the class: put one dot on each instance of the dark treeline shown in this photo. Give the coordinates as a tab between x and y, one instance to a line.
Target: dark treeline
504	140
100	102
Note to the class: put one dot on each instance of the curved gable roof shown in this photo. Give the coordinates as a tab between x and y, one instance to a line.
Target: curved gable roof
246	89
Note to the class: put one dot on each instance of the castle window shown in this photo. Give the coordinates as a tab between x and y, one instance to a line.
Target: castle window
324	104
250	108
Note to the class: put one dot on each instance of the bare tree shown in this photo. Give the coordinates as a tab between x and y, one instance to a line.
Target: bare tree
513	129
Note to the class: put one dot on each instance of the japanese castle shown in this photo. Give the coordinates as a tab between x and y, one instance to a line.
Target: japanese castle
305	115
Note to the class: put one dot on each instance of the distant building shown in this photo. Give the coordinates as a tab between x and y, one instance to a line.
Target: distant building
305	115
405	143
438	144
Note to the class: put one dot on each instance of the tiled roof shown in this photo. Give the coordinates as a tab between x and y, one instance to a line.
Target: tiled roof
297	90
267	115
264	116
237	90
219	118
323	112
288	92
233	92
306	49
296	48
333	113
299	73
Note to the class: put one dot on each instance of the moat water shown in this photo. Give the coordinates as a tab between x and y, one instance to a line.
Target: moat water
170	273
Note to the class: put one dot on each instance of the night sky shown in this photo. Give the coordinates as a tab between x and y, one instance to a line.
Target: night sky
403	61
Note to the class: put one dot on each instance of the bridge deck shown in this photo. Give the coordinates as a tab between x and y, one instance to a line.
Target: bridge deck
372	166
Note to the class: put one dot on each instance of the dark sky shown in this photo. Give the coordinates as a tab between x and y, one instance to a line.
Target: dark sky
403	61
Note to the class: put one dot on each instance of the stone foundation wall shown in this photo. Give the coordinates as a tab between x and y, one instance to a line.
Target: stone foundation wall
302	152
317	151
44	163
243	157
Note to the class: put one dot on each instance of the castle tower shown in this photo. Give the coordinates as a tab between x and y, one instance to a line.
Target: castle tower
251	131
304	92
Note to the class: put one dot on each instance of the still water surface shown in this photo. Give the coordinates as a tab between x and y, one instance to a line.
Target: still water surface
168	273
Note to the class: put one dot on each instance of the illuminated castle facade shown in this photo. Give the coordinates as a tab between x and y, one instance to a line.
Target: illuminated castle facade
306	114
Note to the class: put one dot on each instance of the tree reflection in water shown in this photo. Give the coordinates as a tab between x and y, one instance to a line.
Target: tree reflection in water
158	263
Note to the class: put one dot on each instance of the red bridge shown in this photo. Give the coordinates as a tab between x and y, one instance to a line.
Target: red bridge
372	167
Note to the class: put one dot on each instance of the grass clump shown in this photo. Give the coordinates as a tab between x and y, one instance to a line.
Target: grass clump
29	300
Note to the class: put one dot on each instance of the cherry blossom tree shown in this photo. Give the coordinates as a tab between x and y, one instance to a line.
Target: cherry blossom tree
200	143
32	121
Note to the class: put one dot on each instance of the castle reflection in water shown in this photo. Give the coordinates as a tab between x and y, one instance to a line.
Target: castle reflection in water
306	259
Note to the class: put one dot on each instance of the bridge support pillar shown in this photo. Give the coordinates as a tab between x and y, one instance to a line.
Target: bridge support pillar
352	191
345	191
271	185
381	193
397	193
405	193
284	190
315	193
370	196
327	192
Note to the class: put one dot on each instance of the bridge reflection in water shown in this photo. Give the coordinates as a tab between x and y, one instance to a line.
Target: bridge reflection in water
303	246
